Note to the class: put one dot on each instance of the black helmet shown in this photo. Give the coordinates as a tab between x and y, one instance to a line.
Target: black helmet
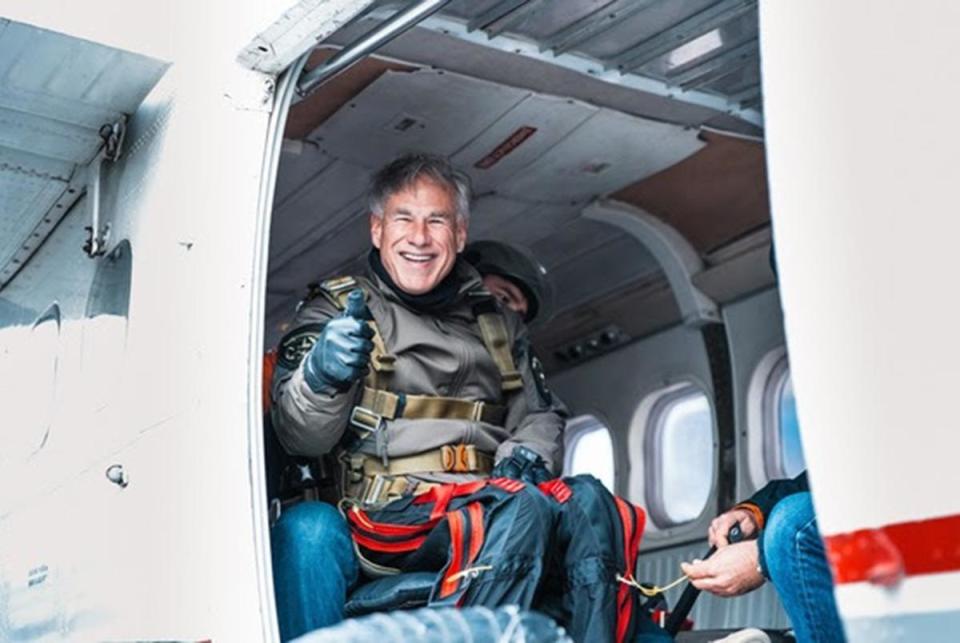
520	267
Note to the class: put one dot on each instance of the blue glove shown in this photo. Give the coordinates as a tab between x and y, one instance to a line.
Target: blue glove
523	464
342	352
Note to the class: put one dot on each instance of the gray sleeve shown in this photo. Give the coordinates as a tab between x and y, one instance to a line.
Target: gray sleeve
307	423
535	415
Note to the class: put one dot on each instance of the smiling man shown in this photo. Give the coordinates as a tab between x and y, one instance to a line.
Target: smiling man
419	230
425	387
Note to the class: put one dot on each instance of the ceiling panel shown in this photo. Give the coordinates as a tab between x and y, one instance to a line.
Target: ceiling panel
308	113
320	227
578	236
716	195
299	164
491	213
537	222
345	243
552	16
529	130
407	111
603	154
642	26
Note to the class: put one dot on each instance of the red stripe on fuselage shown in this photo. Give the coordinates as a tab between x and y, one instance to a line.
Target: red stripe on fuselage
884	555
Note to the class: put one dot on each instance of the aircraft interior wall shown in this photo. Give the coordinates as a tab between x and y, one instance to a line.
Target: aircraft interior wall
616	388
755	330
613	387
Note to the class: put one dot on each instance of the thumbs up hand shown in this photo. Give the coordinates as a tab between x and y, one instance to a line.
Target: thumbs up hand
342	352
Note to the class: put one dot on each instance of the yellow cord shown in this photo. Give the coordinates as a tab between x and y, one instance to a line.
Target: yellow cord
650	591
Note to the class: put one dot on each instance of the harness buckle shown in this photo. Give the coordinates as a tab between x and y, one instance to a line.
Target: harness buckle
371	423
459	458
366	420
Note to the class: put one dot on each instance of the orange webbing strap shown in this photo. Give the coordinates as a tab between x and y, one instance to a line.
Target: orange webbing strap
754	510
442	495
466	539
632	521
556	488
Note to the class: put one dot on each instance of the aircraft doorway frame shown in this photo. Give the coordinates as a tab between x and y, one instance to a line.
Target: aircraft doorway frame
286	90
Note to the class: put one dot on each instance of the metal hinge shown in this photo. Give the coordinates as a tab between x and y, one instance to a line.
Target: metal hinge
97	234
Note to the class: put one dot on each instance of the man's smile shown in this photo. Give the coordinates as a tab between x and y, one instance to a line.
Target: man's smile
418	257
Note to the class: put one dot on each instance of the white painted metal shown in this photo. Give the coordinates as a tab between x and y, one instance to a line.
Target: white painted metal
865	235
258	280
171	392
296	32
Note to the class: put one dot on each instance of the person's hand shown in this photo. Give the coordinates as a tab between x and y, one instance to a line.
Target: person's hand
342	351
721	525
731	571
523	464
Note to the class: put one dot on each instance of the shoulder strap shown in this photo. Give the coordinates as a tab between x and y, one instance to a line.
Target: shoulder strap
493	329
336	290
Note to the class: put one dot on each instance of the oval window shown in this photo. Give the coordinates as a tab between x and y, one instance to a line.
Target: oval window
680	455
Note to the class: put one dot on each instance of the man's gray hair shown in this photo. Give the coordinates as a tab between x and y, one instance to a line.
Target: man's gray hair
405	171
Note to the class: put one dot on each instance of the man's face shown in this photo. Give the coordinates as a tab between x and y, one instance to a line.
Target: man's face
419	236
507	293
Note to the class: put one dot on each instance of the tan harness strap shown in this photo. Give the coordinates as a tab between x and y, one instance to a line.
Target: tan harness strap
450	458
337	291
493	328
390	406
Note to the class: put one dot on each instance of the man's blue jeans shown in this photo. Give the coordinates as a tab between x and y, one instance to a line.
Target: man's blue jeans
314	566
796	563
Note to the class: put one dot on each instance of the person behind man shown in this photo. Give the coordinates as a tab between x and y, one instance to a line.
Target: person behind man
513	276
781	543
447	434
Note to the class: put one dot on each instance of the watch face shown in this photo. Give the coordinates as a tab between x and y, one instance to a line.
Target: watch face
296	344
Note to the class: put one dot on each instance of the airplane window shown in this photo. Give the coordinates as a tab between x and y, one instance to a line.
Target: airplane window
783	451
680	455
791	449
589	449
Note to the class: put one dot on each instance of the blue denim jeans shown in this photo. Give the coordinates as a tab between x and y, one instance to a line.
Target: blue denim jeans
314	566
795	561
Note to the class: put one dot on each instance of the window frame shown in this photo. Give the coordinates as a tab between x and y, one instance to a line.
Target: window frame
576	429
775	382
654	425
